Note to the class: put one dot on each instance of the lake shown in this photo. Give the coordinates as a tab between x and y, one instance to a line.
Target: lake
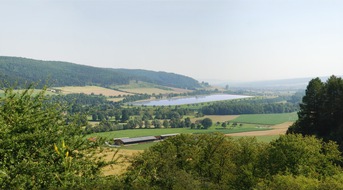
190	100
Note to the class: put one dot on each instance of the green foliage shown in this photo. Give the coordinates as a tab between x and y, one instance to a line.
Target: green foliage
41	147
321	110
24	71
250	106
301	183
153	131
212	161
206	123
310	157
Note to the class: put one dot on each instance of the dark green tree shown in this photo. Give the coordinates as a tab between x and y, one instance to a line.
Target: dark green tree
206	123
310	109
321	111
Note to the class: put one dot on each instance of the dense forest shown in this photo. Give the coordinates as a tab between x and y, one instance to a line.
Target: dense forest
23	71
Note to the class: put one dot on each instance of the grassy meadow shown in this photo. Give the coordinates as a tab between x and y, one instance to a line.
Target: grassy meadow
91	90
266	119
156	132
245	123
140	87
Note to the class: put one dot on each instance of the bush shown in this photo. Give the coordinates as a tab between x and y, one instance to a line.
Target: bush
41	147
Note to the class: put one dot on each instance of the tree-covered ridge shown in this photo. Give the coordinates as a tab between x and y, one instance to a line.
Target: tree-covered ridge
162	78
23	70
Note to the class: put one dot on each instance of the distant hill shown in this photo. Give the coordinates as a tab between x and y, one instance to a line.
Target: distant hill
295	83
23	70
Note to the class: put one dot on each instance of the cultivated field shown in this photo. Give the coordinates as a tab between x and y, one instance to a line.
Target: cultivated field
90	89
156	132
267	119
279	129
154	90
148	91
148	88
217	118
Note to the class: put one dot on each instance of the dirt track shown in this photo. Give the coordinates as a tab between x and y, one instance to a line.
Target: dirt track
276	130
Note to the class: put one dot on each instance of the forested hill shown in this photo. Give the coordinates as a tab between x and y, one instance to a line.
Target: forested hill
23	70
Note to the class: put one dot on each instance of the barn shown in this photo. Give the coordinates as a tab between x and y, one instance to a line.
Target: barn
125	141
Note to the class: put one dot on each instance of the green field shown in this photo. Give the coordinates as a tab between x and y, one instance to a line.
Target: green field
144	146
156	132
267	119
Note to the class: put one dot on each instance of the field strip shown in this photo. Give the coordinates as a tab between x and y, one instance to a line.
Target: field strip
279	129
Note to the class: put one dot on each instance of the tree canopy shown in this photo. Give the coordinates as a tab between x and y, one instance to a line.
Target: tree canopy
211	161
43	148
321	111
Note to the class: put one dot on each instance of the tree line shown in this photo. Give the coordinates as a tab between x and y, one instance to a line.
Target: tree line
252	106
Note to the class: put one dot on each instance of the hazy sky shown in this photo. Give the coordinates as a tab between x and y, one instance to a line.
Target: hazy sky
234	40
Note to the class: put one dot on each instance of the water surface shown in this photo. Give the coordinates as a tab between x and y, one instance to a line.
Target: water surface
190	100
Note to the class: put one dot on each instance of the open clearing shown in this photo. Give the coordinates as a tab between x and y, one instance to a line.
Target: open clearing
90	89
267	119
217	118
279	129
148	91
123	157
139	87
154	90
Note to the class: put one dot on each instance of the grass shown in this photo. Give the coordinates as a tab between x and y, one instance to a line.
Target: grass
266	119
140	87
156	132
216	118
90	90
148	91
144	146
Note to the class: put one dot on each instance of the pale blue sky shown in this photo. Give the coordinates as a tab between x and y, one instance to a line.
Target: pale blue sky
233	40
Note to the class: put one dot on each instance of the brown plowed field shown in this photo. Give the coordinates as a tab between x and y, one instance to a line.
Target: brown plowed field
279	129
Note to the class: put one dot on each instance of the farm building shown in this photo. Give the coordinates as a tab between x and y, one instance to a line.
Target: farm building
167	135
125	141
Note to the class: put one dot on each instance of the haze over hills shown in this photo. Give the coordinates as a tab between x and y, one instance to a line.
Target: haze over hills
292	83
23	70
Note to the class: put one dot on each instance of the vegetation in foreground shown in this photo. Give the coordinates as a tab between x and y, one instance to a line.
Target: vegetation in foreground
211	161
42	148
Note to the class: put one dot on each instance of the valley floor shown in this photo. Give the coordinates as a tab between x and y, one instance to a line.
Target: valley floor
279	129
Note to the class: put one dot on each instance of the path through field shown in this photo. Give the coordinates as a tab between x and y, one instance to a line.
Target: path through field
279	129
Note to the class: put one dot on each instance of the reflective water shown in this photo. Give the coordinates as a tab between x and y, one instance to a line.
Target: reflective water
190	100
